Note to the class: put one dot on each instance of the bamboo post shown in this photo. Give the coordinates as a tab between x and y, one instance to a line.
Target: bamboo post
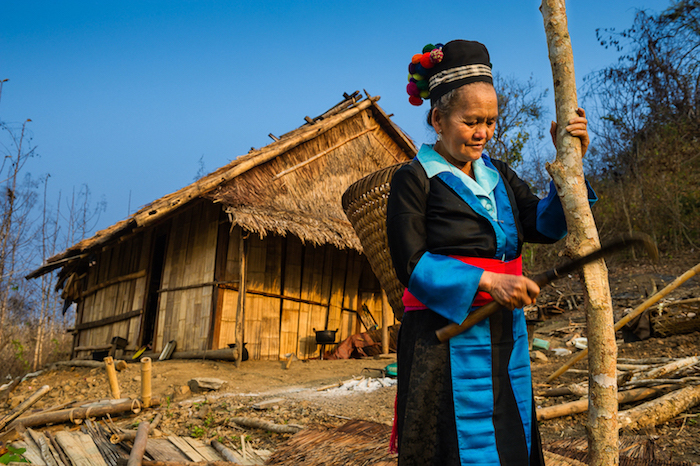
638	310
240	311
146	392
139	448
112	377
386	318
567	173
25	405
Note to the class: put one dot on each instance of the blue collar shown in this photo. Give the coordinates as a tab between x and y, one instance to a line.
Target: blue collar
434	163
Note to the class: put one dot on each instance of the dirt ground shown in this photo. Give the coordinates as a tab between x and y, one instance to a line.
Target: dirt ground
208	415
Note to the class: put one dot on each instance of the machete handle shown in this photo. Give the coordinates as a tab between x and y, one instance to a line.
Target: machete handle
474	317
484	312
549	276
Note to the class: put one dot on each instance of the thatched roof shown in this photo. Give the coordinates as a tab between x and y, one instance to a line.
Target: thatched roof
292	186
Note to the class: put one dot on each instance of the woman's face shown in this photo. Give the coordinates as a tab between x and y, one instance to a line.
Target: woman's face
469	126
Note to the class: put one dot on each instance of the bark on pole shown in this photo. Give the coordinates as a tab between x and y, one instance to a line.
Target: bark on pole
567	173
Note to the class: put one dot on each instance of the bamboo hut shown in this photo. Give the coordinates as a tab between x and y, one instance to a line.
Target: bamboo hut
262	241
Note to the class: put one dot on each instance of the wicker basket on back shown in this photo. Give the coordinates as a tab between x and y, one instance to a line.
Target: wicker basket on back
364	203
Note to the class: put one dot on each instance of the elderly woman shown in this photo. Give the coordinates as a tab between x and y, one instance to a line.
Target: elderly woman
456	222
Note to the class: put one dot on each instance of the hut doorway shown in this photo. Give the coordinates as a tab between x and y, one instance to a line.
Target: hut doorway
151	311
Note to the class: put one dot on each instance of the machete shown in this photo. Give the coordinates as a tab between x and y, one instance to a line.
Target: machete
477	315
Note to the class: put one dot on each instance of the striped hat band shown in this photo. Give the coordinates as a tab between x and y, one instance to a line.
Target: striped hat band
457	73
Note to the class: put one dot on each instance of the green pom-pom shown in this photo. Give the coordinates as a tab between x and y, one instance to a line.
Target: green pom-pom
424	94
423	85
428	48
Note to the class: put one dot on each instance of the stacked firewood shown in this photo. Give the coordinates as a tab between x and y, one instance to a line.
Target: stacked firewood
673	385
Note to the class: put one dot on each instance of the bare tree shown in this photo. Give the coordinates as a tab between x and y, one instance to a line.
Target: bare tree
520	116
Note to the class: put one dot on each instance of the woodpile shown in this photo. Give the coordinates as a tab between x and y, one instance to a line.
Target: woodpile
673	385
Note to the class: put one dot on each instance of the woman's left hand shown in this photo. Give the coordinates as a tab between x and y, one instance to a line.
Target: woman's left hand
578	127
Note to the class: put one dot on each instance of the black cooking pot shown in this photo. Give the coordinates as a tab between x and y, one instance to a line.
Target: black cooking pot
325	336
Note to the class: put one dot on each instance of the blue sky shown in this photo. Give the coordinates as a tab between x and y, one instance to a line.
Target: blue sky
129	96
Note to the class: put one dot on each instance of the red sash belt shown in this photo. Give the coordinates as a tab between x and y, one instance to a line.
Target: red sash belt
514	267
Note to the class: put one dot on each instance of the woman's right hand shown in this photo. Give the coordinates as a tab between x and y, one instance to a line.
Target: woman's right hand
511	291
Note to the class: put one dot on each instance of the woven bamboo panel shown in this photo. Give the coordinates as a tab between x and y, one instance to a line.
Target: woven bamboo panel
365	203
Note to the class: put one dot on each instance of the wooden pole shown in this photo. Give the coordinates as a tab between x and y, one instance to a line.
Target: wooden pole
139	448
225	354
77	414
386	318
638	310
25	405
240	311
579	406
112	377
567	173
660	410
146	392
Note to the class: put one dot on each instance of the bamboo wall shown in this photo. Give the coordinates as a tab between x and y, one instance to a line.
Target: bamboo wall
291	289
185	303
114	288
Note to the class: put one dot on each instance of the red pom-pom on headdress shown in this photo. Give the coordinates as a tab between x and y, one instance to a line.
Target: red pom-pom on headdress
431	56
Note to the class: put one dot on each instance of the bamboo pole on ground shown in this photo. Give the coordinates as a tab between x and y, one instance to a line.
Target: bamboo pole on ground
386	317
112	377
146	392
240	311
139	448
638	310
25	405
567	173
77	414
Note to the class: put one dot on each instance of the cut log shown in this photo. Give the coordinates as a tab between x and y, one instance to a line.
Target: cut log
78	414
119	364
264	425
579	406
660	410
224	354
139	448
